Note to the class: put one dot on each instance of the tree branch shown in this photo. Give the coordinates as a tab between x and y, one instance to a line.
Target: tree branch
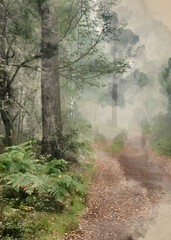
22	65
71	20
84	54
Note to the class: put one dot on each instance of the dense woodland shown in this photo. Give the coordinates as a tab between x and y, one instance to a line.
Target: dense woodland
60	61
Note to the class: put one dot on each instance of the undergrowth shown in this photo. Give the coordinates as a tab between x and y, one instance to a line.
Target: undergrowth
114	147
159	131
118	143
39	196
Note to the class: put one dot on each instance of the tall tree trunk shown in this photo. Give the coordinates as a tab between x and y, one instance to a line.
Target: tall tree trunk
114	105
4	90
114	115
114	94
50	86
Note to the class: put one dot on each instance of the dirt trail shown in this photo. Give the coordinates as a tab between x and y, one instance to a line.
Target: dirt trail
124	196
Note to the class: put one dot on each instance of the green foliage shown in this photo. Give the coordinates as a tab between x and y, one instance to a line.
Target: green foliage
99	136
115	147
165	80
145	126
61	223
74	145
30	186
27	176
26	24
17	159
16	224
160	132
160	128
23	28
118	143
55	166
121	136
42	203
10	227
41	197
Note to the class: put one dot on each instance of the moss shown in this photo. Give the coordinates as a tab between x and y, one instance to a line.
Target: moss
62	223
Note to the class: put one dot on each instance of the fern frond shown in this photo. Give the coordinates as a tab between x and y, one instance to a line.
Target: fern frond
55	166
25	181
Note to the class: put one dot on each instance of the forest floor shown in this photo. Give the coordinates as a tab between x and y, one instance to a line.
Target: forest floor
125	194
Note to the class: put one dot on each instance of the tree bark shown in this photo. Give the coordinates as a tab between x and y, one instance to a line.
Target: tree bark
50	86
9	130
114	105
4	89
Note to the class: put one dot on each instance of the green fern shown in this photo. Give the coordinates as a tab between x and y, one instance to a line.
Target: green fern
73	186
23	173
17	159
58	192
25	181
55	166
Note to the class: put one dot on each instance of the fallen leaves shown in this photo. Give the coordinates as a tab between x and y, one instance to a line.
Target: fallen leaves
122	198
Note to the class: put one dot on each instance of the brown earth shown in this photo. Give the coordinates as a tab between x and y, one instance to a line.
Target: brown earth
124	196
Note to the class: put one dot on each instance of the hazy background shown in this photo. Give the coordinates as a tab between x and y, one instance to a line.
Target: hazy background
161	9
150	22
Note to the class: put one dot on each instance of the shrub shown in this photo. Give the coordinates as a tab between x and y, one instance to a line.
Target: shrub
160	133
17	159
74	146
25	176
16	224
28	185
11	225
118	142
121	137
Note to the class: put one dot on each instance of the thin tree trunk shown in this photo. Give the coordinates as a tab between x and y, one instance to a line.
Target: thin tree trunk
9	130
50	86
114	105
114	114
19	115
4	90
114	95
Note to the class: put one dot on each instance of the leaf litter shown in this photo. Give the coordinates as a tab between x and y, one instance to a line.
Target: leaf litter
124	195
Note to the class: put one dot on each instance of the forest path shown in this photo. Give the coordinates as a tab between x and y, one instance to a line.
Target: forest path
124	195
